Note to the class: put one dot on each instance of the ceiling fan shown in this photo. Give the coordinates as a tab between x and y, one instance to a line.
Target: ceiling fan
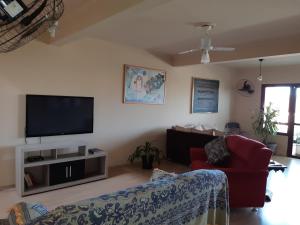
206	45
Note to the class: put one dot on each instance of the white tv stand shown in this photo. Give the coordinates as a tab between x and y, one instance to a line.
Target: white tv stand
64	164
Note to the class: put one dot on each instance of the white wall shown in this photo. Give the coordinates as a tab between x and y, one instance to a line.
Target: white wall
95	68
245	107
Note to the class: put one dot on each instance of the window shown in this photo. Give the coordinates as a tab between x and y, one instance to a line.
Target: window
279	97
286	99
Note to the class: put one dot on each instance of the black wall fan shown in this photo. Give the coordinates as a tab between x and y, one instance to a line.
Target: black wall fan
245	87
23	20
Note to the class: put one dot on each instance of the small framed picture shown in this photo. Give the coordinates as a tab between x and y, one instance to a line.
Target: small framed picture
144	85
205	96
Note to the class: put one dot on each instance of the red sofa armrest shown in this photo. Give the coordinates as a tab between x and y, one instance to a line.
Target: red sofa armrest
244	172
247	188
245	177
198	154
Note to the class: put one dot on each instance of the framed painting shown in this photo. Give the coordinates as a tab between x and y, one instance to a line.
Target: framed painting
144	85
205	96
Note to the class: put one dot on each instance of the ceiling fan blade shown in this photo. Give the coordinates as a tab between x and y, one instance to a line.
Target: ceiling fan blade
222	49
189	51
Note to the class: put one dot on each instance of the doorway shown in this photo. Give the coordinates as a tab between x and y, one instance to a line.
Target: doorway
286	99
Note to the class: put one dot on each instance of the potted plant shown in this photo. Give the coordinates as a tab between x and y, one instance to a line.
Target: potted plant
265	126
148	153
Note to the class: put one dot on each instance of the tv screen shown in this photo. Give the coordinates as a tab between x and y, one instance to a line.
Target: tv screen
58	115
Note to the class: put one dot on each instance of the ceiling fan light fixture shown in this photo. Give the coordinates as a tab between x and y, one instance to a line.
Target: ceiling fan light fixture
206	43
205	59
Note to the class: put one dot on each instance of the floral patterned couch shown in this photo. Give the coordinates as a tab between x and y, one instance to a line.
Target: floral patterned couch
195	198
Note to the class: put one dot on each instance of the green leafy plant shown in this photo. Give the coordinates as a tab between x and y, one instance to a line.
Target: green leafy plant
265	124
146	151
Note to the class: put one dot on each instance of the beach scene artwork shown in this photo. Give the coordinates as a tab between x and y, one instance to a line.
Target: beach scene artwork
144	85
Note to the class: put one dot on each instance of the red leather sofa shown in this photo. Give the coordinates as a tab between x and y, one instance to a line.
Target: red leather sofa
247	170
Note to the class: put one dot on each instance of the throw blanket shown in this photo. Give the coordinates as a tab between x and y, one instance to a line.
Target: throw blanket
194	198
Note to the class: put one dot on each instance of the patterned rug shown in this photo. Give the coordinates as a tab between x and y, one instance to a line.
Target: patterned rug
4	222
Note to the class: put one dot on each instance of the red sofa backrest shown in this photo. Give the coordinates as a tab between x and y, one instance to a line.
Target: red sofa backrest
247	153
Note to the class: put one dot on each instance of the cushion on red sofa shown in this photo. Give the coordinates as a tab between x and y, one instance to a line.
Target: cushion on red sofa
198	154
216	151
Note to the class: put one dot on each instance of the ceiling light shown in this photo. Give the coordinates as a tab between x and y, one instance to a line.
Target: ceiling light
260	77
205	57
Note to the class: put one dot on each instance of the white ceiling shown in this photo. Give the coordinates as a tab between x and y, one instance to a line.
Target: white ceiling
79	14
161	26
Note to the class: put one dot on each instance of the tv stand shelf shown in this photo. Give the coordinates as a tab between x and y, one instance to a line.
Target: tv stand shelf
64	164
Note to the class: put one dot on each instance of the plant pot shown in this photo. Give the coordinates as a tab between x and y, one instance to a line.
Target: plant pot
272	146
147	162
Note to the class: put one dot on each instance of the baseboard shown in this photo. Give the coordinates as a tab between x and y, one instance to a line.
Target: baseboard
3	188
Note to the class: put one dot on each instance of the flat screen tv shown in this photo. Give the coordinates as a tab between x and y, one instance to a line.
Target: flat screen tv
58	115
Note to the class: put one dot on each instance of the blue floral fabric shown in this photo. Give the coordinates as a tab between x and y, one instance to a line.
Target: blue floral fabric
158	174
195	198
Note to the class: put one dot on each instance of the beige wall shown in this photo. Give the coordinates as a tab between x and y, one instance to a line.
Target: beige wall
94	68
245	107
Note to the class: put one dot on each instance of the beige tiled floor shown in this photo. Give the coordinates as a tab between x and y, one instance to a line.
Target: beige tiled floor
283	210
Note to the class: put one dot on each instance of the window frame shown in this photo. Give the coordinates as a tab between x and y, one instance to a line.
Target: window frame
292	110
262	102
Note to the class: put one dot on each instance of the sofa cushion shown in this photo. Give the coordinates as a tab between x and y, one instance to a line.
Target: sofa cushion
216	151
158	174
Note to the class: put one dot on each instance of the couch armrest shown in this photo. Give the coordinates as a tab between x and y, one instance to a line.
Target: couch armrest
198	154
247	187
246	175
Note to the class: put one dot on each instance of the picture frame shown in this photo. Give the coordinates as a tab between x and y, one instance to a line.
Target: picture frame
144	85
205	95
